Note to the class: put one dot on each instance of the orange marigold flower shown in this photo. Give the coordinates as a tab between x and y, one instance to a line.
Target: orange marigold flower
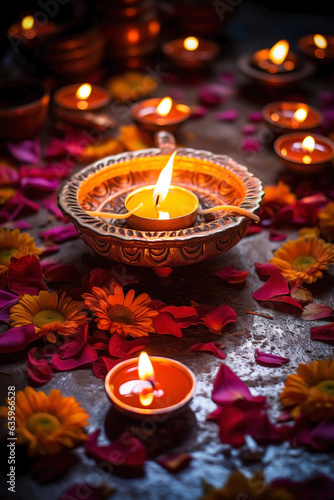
13	243
304	259
326	221
47	424
124	315
239	486
276	197
310	392
49	313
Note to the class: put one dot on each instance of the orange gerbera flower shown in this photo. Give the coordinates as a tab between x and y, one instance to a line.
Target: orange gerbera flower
47	424
49	313
276	197
310	392
304	259
326	221
15	244
239	486
124	315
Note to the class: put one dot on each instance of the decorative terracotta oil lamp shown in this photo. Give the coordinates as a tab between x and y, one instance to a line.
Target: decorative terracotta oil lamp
320	48
286	116
191	52
304	154
160	114
29	32
150	386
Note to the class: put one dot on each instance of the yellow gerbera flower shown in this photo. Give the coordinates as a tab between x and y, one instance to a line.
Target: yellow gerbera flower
47	424
276	197
326	221
49	313
304	259
310	392
239	486
123	315
15	244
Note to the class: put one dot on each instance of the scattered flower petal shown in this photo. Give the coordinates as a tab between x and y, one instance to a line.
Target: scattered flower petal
163	272
175	462
218	318
121	348
232	275
228	115
251	145
25	275
270	360
26	151
324	333
209	347
165	323
38	368
255	116
275	285
316	311
301	294
59	234
17	338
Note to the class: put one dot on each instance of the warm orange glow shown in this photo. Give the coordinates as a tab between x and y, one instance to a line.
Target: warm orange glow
320	41
84	91
145	368
154	27
133	35
307	159
190	43
146	397
308	144
162	186
164	106
279	51
300	115
27	22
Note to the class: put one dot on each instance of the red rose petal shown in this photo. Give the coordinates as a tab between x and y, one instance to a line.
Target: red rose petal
209	347
275	285
165	323
270	360
85	357
121	348
232	275
264	268
175	462
56	273
218	318
126	450
229	389
163	272
324	333
103	365
38	369
25	275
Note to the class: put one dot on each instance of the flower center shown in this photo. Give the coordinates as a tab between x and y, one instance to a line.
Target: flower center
47	316
303	262
121	314
326	386
42	423
6	254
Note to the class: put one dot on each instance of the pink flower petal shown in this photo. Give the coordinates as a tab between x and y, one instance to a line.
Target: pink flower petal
229	115
198	111
209	347
85	357
254	229
251	145
227	77
248	129
72	346
286	299
316	311
7	300
8	176
218	318
46	186
228	389
26	151
17	338
270	360
275	285
18	205
103	365
121	348
165	323
175	462
232	275
126	450
163	272
324	333
214	93
59	234
319	437
25	275
255	116
301	294
38	368
264	268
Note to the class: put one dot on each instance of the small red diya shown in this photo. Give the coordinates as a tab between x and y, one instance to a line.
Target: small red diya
320	48
304	154
160	114
31	32
191	52
150	386
285	116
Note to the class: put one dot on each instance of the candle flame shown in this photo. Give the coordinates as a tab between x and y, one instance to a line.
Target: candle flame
320	41
300	114
27	22
145	368
84	91
308	143
190	43
279	51
164	106
163	182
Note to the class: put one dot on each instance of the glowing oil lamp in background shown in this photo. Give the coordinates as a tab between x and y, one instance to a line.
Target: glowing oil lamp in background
31	32
284	116
318	47
277	59
165	207
191	52
304	153
156	114
81	97
150	386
